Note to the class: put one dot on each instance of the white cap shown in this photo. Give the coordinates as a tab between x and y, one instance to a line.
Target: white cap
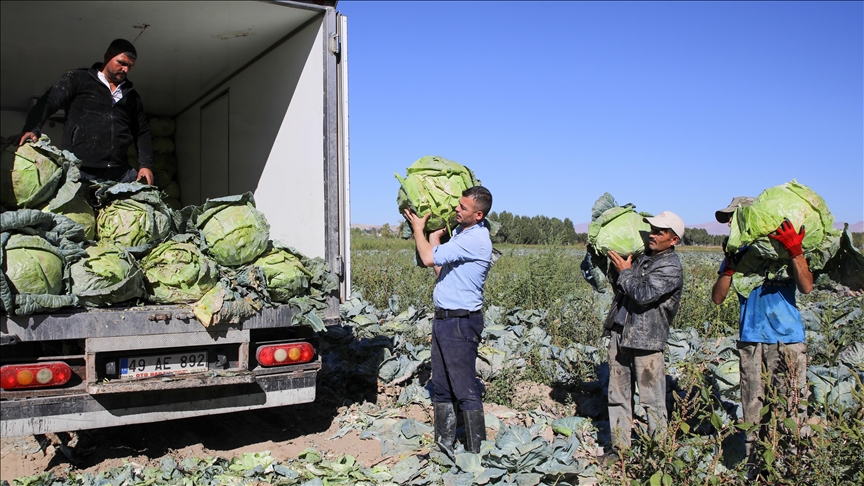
668	219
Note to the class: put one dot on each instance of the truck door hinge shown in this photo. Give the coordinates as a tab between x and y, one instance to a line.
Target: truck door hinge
335	44
339	267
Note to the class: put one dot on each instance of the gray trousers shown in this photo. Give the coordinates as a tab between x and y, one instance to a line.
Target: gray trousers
629	367
756	355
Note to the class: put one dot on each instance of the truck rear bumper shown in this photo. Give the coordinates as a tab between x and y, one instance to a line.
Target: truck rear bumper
85	411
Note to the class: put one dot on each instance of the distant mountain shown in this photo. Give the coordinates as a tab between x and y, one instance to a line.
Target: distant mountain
713	228
855	228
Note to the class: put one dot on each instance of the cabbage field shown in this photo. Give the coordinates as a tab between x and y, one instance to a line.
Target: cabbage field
542	363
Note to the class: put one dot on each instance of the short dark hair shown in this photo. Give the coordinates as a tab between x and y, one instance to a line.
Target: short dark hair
121	46
481	196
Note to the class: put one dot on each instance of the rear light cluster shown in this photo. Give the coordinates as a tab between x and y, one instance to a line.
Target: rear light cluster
16	377
285	354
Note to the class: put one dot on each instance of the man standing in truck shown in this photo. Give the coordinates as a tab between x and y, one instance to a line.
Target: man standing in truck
771	333
461	266
104	116
647	295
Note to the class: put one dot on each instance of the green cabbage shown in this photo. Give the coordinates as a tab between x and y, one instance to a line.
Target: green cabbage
766	257
161	178
33	265
163	145
79	211
177	271
133	223
235	232
620	229
796	202
161	126
108	275
172	190
36	249
434	185
29	175
285	274
166	162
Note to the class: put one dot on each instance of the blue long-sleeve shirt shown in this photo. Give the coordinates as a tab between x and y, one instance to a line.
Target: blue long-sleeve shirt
465	261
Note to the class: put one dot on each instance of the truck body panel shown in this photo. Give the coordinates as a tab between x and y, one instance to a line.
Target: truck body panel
258	92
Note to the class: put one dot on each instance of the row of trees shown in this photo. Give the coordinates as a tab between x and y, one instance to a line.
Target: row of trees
535	230
542	230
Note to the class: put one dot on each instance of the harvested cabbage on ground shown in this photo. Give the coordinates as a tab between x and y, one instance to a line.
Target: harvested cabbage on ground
31	174
235	232
433	185
107	275
134	216
177	271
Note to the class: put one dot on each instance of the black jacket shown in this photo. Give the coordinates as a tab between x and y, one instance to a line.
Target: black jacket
646	300
97	130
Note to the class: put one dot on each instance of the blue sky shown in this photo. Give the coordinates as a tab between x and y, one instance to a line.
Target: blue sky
669	105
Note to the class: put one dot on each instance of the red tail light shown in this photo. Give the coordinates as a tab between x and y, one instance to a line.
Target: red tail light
285	354
16	377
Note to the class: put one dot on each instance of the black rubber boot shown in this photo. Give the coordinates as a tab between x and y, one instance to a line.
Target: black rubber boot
475	429
445	427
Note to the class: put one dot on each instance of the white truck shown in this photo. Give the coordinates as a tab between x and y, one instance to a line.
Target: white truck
258	92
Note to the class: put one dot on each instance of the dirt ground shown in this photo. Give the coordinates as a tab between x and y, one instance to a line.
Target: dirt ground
284	431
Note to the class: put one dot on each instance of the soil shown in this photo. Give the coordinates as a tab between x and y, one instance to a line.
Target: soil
284	431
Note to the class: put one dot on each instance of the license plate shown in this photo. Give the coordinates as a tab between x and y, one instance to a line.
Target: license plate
164	364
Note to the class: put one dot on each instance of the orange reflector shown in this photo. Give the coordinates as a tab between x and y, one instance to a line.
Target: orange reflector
15	377
285	354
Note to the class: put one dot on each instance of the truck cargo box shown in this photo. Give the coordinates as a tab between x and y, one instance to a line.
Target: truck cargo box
258	93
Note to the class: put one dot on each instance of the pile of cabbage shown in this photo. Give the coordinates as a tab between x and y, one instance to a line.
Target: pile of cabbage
826	249
131	247
433	185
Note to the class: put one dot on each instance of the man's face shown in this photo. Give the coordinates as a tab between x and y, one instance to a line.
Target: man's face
116	68
661	239
467	213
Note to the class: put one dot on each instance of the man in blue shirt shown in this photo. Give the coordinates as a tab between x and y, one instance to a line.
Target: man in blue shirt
461	266
770	326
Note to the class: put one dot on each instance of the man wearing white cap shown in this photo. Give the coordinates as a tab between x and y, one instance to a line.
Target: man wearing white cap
647	295
770	325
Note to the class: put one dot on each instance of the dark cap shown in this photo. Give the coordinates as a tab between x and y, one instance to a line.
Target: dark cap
121	46
725	214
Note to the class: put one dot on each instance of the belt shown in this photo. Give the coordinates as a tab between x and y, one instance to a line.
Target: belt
447	313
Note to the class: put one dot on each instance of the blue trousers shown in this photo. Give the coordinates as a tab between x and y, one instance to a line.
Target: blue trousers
454	355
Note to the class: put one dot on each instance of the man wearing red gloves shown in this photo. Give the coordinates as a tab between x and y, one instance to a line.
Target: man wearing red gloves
771	330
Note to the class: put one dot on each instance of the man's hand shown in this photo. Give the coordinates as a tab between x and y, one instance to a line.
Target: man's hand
417	223
730	262
620	263
146	174
26	136
435	237
424	247
787	237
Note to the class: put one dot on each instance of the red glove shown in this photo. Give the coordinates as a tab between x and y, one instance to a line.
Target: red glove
787	237
726	268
